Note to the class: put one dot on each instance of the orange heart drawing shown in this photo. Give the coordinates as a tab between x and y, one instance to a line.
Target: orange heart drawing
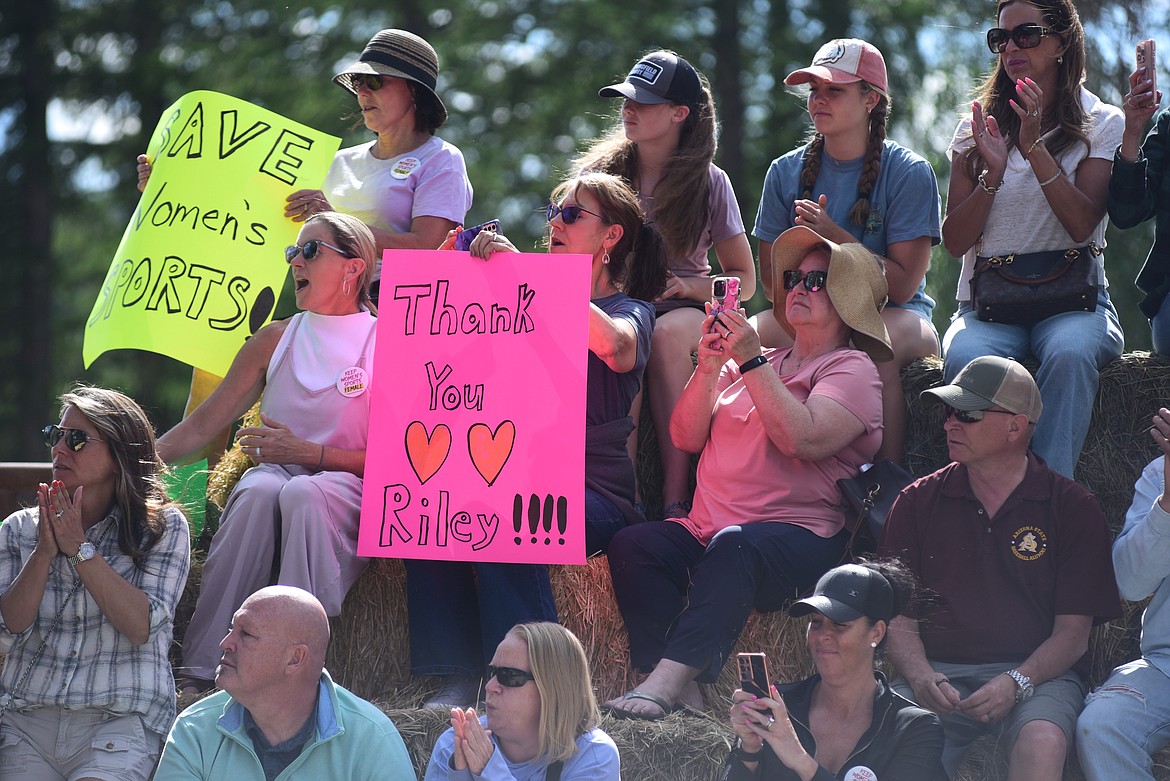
489	452
427	452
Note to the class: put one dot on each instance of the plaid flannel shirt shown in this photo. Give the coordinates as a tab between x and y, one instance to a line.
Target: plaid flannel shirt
86	662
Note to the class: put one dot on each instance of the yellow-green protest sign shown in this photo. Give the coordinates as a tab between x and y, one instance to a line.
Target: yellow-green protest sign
200	265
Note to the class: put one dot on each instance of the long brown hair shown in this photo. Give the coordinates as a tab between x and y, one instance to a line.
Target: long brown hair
638	262
681	208
995	92
138	489
871	165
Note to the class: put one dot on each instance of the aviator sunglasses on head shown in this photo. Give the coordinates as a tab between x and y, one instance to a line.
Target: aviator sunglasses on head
569	214
508	676
75	438
1026	36
973	415
371	81
813	280
310	249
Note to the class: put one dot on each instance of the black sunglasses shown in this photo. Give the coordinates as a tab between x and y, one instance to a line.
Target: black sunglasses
75	438
371	81
813	280
973	415
509	676
310	249
569	214
1026	36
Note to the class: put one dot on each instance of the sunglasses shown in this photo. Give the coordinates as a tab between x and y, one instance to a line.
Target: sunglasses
370	81
1026	36
813	280
310	249
569	214
509	676
75	438
973	415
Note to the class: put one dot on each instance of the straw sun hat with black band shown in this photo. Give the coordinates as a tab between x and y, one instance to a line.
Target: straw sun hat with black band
855	282
401	54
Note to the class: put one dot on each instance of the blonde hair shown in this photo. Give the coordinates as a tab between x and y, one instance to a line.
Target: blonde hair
568	707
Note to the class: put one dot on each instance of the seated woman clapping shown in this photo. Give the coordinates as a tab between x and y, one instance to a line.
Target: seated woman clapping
540	712
845	721
293	518
776	429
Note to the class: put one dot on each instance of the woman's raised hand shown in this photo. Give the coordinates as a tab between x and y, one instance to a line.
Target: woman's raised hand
303	204
991	144
815	215
1029	107
473	745
739	339
143	172
64	516
1141	102
486	242
46	539
767	719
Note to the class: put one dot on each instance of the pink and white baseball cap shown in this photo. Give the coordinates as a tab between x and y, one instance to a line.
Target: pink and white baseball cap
843	61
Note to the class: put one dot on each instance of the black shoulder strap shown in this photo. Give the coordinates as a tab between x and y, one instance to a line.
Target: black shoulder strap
553	773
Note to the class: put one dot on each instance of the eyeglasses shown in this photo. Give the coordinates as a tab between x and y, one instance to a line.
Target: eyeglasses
569	214
509	676
310	249
973	415
371	81
75	438
1026	36
813	280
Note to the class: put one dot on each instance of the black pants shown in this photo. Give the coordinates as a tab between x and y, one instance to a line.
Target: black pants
688	603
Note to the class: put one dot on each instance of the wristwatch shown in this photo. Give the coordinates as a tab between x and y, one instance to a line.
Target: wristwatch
1024	687
84	553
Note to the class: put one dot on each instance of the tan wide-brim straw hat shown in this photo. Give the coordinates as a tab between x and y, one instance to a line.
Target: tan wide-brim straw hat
855	282
397	53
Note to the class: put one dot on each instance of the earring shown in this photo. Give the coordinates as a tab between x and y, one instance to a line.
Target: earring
1060	59
345	288
605	258
873	645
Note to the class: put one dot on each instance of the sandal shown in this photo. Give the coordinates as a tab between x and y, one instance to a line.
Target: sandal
187	684
634	694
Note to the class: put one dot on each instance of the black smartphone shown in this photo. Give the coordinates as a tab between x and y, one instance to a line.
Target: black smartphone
464	238
753	674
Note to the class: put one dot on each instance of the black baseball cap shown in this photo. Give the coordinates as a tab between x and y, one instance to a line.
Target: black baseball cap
848	592
659	77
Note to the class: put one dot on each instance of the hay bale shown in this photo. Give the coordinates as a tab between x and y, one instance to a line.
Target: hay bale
369	651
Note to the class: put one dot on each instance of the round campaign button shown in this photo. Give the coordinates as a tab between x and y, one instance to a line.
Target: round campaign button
404	166
352	382
860	773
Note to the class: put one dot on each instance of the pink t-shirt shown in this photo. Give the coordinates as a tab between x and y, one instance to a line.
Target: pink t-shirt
723	222
744	478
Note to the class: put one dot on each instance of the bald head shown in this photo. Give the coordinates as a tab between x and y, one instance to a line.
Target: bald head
297	615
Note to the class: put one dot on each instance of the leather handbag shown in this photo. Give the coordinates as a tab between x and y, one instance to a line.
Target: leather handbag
1023	289
867	499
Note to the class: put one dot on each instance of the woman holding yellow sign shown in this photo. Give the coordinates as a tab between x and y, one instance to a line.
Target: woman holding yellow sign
293	518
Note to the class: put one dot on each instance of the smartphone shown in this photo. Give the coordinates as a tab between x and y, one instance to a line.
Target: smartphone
724	295
1145	58
464	238
753	674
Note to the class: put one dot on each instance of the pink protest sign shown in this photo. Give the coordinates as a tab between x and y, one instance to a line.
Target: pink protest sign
477	430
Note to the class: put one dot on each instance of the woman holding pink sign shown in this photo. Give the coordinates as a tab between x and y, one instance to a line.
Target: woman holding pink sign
459	612
293	518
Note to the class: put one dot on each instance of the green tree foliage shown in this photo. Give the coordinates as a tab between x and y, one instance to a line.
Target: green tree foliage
519	78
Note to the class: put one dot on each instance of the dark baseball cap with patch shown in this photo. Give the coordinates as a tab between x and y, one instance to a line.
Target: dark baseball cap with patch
659	77
848	592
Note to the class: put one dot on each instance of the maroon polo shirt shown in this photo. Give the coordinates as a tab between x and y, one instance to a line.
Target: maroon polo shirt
992	587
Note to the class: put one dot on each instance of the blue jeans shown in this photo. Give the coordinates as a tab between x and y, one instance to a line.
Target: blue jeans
1160	328
1125	720
602	522
1071	348
459	612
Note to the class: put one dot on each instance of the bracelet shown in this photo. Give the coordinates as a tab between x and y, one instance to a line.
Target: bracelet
986	188
321	460
752	363
1032	148
1052	178
749	756
1141	156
